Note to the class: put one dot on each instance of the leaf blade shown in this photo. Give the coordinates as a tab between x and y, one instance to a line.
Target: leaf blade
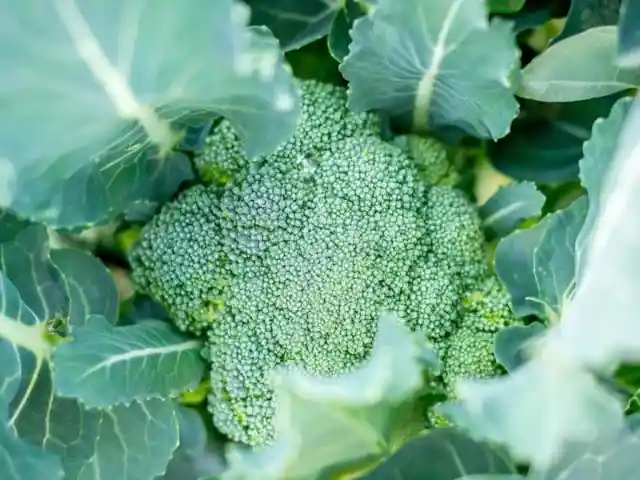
578	68
105	365
449	40
510	206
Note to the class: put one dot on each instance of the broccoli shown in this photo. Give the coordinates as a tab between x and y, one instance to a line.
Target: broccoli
287	260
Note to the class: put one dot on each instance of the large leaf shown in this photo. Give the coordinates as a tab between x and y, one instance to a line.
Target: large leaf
505	6
21	461
443	454
509	207
533	412
123	78
105	365
293	22
340	33
436	65
586	14
513	344
326	425
580	67
599	152
546	144
25	260
608	457
598	331
91	289
133	442
10	375
537	265
199	455
629	35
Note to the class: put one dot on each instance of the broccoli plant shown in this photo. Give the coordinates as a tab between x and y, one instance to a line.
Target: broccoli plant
320	239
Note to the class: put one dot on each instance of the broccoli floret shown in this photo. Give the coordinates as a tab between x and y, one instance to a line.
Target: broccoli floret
431	159
287	260
469	354
488	308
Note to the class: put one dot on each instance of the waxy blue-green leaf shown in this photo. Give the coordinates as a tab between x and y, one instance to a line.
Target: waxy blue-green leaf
120	77
577	68
25	260
512	344
22	461
509	207
629	34
161	184
90	286
339	35
565	406
107	365
598	331
537	265
546	145
199	455
599	153
328	423
10	375
608	457
134	442
293	22
437	65
505	6
586	14
443	454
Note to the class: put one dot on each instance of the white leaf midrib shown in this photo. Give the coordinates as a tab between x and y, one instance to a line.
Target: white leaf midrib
109	77
141	353
427	83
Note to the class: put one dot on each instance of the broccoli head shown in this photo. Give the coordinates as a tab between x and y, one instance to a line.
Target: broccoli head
287	260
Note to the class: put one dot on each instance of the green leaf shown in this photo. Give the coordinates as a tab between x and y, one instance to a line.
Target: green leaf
628	378
512	344
537	265
293	22
133	442
24	259
199	455
339	35
532	412
10	375
160	186
532	15
580	67
97	192
364	414
586	14
629	35
509	207
545	146
21	461
443	454
105	365
90	286
436	66
608	457
599	153
125	77
505	6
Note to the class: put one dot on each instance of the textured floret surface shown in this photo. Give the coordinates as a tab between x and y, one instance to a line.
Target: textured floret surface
287	260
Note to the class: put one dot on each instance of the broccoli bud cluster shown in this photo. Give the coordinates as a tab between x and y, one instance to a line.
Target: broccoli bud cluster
287	260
